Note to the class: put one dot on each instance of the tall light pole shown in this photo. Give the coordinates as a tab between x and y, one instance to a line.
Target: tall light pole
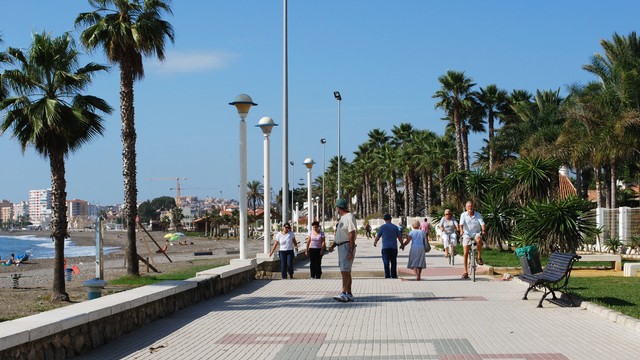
336	94
308	162
323	141
285	117
317	213
293	179
243	103
266	124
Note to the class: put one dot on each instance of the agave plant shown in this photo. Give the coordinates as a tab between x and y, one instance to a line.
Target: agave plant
634	243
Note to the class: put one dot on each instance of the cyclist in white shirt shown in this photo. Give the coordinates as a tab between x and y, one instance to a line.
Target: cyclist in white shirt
472	228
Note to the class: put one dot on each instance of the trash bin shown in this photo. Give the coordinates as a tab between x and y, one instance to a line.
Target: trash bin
529	259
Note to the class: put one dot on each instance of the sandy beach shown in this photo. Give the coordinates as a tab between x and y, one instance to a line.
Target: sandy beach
36	276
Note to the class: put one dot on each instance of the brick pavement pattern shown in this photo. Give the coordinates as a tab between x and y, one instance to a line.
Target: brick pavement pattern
440	317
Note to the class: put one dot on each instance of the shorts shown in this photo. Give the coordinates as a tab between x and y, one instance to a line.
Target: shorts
343	252
449	239
466	239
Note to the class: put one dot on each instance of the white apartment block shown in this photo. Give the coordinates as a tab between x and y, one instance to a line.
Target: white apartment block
40	207
20	209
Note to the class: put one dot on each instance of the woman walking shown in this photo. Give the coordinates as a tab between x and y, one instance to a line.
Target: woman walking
417	260
286	239
315	250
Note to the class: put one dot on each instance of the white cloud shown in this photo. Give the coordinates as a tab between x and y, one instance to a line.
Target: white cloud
193	62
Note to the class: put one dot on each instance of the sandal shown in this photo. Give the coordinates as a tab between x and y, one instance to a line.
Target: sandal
480	262
465	276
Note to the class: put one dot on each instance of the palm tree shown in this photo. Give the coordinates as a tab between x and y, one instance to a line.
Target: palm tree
255	196
49	113
493	103
454	96
129	31
404	140
4	90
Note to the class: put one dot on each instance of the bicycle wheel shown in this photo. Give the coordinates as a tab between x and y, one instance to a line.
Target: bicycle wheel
452	253
472	267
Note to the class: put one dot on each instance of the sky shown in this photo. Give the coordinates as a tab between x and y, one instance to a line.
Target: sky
383	56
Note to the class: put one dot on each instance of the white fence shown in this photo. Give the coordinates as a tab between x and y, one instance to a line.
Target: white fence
623	222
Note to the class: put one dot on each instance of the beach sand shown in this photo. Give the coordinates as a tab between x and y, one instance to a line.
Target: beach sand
36	276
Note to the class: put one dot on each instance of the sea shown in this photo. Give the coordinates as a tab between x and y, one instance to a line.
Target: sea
43	247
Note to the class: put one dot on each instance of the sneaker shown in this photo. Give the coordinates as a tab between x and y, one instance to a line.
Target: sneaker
342	297
349	297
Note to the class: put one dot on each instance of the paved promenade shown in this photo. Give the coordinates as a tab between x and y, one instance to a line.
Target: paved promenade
440	317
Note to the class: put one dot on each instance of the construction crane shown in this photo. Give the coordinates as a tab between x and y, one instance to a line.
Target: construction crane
177	188
191	188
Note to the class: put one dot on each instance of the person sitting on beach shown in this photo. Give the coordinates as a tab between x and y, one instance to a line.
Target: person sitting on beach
10	260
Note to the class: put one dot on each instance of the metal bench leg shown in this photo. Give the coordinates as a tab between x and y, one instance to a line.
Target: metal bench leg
527	292
542	299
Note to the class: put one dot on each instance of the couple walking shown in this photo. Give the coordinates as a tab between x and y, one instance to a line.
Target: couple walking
418	237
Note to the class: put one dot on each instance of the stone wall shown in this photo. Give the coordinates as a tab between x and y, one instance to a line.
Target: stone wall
80	339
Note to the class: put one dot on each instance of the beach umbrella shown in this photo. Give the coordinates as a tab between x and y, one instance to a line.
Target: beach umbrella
178	234
174	238
169	235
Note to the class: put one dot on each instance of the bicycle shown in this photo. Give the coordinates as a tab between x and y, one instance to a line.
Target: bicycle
471	261
452	252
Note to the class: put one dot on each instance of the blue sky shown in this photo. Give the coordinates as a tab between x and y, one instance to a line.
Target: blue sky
383	56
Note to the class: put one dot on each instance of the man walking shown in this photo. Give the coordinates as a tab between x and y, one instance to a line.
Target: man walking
389	234
345	241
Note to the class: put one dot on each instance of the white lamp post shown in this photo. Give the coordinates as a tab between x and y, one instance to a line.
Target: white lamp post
336	94
317	213
308	162
266	124
243	103
323	141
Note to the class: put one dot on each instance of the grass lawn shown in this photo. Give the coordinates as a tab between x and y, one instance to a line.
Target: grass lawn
617	293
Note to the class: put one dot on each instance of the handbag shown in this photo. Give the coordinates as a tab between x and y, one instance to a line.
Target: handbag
427	246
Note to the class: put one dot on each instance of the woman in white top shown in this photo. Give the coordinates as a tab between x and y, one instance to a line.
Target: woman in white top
449	231
286	239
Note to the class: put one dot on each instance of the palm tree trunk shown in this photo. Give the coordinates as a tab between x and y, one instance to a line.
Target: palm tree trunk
490	143
458	129
614	183
465	146
380	195
58	224
426	196
129	162
405	196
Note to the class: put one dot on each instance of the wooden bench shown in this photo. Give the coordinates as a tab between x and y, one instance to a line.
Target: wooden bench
555	275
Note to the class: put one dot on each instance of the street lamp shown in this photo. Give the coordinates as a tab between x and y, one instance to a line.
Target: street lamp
243	103
308	162
336	94
292	189
266	124
323	141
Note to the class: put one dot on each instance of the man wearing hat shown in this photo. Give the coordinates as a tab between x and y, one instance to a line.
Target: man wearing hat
345	241
389	234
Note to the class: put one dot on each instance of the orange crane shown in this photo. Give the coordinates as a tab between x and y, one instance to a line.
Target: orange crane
177	188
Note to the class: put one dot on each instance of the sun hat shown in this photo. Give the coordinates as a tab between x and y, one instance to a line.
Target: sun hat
387	217
341	203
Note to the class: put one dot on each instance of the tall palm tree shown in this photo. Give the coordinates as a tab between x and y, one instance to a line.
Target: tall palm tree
377	139
404	140
255	195
493	103
49	113
127	31
454	96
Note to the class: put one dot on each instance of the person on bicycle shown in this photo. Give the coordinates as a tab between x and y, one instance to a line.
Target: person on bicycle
472	228
448	231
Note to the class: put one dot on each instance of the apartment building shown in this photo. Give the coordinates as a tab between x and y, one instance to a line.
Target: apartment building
40	207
